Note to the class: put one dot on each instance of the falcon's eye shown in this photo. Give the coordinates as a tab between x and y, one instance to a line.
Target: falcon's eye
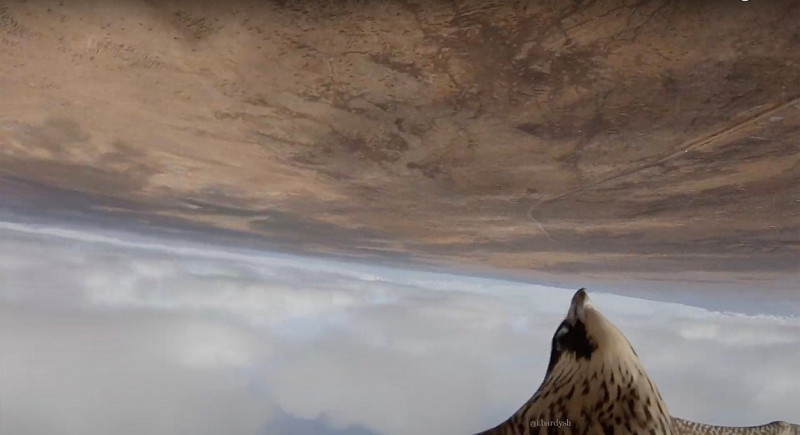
562	331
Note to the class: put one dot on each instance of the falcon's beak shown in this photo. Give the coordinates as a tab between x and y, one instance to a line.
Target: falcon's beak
579	302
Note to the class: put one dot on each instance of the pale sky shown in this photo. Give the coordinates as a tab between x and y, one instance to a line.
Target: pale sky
112	333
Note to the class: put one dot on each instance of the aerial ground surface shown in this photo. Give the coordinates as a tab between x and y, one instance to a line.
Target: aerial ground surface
650	139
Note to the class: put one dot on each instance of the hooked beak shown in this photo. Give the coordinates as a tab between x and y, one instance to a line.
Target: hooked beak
579	302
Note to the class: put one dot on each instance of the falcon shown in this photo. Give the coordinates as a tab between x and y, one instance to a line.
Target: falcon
595	384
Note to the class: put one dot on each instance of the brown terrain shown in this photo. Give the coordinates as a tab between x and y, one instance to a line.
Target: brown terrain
659	139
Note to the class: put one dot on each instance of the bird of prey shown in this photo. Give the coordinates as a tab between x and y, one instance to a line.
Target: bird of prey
595	384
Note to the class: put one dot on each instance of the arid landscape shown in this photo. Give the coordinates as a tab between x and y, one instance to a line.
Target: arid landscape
369	217
653	139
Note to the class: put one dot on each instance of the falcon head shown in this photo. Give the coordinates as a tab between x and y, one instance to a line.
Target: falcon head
586	336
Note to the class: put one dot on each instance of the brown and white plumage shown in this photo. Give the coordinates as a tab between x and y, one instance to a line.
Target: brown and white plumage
595	384
685	427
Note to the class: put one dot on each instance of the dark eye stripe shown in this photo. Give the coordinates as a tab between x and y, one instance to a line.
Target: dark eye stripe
573	338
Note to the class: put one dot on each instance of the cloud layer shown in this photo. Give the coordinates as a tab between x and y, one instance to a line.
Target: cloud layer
107	334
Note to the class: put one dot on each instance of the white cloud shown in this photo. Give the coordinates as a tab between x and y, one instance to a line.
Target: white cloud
104	335
122	373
